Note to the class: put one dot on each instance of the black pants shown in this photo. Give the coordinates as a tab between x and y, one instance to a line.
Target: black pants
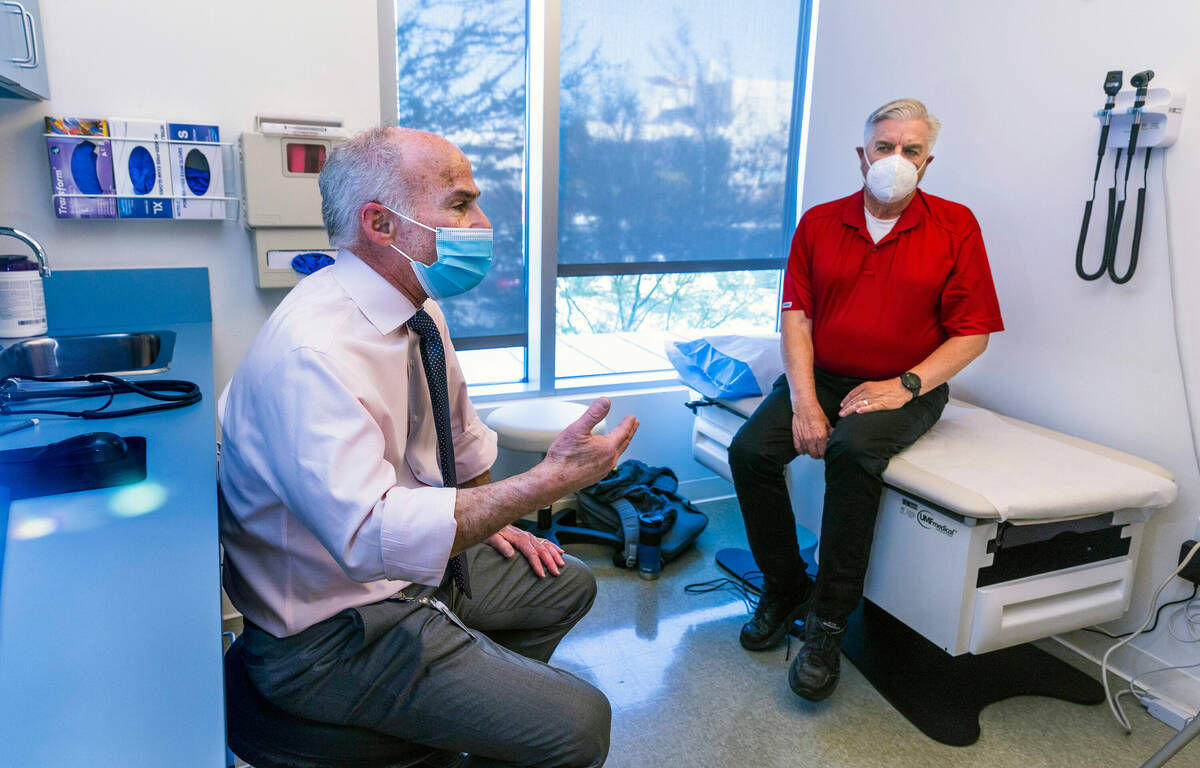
857	454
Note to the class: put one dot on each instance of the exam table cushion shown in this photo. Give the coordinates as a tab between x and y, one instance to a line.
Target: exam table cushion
980	464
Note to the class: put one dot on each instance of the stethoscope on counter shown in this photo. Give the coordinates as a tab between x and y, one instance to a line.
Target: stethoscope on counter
1116	208
171	394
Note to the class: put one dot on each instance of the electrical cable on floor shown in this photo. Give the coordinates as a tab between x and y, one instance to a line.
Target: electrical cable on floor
1140	695
739	587
1114	703
1188	599
1191	614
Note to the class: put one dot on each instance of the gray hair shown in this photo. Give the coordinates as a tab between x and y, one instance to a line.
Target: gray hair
906	109
365	169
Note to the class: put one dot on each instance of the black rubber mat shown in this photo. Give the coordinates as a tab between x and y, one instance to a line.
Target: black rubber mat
942	695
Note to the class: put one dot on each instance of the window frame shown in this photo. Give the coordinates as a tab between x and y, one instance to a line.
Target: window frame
542	270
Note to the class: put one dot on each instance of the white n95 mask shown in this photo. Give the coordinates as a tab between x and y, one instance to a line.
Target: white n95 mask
892	178
464	255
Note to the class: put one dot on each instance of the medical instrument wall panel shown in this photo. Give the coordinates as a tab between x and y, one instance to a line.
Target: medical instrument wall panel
281	161
945	563
1143	119
1161	117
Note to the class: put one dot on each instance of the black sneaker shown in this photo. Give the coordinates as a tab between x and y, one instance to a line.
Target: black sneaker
815	670
773	617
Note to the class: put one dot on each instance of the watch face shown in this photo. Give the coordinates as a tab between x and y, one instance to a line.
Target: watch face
911	381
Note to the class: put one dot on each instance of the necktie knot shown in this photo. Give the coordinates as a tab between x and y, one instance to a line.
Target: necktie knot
423	324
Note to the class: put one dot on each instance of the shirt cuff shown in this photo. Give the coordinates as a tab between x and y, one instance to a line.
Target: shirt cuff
474	450
417	533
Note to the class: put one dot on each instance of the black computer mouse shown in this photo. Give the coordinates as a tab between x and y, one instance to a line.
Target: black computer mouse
89	448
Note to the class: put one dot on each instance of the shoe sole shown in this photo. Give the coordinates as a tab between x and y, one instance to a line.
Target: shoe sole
811	695
775	638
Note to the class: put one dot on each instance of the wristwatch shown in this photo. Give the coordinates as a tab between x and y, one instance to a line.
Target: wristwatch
911	382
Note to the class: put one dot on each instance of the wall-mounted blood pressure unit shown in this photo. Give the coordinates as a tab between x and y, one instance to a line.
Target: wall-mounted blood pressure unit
1143	119
281	160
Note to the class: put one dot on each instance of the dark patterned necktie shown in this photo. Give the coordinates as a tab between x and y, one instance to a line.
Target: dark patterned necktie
433	358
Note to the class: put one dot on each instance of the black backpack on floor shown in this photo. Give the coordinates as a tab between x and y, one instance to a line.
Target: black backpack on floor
614	504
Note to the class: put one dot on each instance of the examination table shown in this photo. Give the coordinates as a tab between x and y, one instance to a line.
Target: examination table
991	532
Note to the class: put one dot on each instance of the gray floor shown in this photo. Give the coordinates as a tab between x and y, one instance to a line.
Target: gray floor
685	693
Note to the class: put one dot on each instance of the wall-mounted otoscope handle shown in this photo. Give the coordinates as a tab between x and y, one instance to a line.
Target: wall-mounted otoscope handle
1083	230
1137	239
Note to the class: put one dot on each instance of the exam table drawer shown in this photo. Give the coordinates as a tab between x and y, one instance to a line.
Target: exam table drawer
1038	606
710	446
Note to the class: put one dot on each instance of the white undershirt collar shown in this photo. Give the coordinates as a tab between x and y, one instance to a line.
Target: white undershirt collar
879	227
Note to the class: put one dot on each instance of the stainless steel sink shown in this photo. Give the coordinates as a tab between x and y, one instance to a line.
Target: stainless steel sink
119	354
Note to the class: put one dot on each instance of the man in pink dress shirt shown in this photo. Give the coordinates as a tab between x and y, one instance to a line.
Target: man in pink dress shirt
338	529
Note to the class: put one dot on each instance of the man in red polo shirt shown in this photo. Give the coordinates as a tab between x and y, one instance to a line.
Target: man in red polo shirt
887	295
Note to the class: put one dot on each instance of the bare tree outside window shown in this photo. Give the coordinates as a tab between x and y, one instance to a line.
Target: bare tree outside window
673	148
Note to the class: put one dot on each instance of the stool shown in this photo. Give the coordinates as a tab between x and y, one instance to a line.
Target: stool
267	737
531	427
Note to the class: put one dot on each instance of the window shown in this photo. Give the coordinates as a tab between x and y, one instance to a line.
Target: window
616	324
460	68
645	193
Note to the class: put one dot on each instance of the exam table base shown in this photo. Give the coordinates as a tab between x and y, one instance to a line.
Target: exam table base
942	695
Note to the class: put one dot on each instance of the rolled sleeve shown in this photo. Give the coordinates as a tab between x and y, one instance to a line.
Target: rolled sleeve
474	449
417	533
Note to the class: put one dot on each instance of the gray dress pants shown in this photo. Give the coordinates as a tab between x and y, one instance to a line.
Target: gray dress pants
472	679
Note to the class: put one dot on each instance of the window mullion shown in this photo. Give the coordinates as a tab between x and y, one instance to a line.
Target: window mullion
545	25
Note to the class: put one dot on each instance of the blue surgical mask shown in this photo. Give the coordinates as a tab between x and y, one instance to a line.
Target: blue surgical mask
464	255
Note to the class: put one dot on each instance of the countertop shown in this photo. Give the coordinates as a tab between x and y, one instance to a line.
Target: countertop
110	647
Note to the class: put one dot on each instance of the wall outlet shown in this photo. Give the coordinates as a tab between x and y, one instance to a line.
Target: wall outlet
1192	571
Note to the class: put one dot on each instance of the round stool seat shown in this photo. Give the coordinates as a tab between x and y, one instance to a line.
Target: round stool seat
532	426
267	737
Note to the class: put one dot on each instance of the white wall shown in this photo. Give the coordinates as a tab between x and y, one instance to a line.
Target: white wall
219	62
1016	85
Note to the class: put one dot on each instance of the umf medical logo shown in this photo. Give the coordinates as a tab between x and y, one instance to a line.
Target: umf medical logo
911	509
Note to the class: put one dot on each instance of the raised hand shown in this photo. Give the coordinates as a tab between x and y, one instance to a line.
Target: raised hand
579	458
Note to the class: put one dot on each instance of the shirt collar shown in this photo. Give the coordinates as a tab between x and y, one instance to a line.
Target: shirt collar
854	214
384	307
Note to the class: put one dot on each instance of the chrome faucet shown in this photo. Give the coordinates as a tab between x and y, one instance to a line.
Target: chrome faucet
38	251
